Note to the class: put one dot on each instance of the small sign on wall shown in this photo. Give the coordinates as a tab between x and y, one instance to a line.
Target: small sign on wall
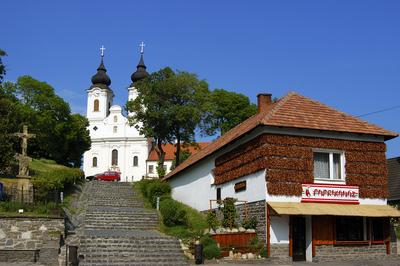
330	193
240	186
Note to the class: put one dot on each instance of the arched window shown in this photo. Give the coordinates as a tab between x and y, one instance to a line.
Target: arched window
115	129
96	105
94	162
115	118
135	161
114	157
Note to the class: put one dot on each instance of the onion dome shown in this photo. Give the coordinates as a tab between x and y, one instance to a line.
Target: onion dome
141	72
101	77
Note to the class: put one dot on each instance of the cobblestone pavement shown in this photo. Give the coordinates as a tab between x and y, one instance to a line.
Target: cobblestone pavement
118	230
385	262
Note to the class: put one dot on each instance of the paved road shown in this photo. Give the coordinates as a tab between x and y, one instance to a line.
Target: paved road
383	262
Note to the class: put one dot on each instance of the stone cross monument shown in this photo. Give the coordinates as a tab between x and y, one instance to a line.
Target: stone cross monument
23	158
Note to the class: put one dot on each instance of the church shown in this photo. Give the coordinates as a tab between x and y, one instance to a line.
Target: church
116	146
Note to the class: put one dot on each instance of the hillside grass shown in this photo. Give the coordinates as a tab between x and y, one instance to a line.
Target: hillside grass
196	221
47	176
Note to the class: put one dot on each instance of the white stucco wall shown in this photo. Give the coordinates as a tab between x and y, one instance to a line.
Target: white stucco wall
255	188
167	163
195	189
279	229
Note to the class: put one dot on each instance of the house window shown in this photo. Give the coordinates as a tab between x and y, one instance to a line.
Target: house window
151	169
96	105
329	165
94	162
135	161
115	119
218	194
114	157
349	228
115	129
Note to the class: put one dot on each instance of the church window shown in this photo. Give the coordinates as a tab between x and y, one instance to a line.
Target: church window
115	118
115	129
151	169
96	105
135	161
114	157
95	128
94	162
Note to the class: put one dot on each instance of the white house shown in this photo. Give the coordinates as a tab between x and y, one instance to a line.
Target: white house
314	177
115	144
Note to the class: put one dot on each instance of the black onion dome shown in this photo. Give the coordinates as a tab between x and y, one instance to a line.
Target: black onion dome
101	77
141	72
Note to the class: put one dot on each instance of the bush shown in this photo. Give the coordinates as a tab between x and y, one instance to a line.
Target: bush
143	185
250	223
157	189
55	179
172	213
229	211
11	206
212	220
210	247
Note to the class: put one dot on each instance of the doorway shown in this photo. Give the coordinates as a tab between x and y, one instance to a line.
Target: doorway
299	238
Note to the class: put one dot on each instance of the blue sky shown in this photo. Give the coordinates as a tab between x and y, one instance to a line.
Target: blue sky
345	54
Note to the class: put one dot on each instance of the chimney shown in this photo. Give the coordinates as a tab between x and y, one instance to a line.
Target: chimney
264	102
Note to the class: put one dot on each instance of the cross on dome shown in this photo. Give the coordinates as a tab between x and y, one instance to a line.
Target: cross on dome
102	48
142	45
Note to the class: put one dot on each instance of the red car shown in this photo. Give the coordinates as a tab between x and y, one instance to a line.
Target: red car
109	176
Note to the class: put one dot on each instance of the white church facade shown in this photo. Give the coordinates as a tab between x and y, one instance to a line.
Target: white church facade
116	145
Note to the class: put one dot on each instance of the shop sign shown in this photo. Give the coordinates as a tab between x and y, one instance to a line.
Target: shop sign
330	193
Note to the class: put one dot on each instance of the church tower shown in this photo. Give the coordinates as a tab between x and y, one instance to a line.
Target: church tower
139	74
100	96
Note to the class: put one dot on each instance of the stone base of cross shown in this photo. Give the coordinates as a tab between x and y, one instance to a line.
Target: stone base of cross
23	166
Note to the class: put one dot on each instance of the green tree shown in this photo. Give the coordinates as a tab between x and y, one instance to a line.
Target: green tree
183	155
169	107
2	66
7	113
226	110
59	135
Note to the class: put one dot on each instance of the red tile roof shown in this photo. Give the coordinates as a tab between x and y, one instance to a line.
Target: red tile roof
292	111
170	150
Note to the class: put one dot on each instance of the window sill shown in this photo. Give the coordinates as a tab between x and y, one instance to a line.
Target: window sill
329	181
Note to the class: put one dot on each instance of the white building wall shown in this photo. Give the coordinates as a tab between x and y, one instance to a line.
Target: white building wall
279	229
195	189
167	163
255	188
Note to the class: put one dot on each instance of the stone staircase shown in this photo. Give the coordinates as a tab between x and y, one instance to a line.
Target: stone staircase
118	230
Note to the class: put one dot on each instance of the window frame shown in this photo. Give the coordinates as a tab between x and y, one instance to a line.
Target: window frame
96	105
94	161
342	180
135	161
152	169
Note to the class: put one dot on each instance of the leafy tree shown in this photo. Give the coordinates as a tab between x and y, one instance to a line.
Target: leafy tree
169	107
183	155
6	115
226	110
59	135
2	67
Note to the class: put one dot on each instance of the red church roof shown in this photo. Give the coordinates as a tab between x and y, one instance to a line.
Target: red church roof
291	111
170	150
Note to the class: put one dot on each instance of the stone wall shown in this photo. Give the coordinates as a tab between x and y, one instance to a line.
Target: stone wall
343	253
30	239
279	253
255	209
